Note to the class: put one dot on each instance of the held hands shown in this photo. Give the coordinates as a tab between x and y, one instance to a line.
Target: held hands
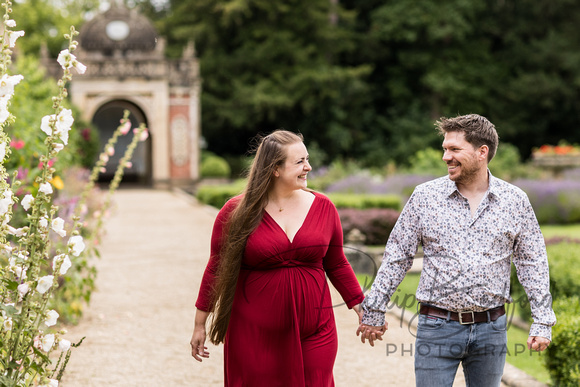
371	333
198	350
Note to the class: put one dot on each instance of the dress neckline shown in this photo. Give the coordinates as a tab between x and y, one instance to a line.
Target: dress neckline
301	226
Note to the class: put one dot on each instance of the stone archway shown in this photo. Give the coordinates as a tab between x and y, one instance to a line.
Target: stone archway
127	67
107	119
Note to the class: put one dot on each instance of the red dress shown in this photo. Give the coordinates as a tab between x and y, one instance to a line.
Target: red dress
282	330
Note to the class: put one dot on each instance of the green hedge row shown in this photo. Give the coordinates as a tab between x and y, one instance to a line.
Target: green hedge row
217	195
364	201
563	355
563	259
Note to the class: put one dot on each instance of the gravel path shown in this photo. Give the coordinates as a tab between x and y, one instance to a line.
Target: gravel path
140	319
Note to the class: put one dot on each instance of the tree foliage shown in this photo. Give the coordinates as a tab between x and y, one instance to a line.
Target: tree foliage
366	79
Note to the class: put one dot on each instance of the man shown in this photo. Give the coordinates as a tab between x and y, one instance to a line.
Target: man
470	224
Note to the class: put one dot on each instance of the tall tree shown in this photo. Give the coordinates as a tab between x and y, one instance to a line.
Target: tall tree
268	64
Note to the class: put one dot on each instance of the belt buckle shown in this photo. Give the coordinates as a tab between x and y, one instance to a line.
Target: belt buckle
460	314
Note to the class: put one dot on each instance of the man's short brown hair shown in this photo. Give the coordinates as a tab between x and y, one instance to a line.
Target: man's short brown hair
478	131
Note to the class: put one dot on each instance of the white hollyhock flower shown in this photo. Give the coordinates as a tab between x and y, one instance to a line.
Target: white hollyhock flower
68	60
23	289
64	345
8	324
43	222
16	231
45	124
81	68
45	188
49	383
47	342
7	248
27	201
66	263
12	36
76	244
44	283
64	121
10	23
58	226
7	83
6	201
20	272
4	113
51	317
58	147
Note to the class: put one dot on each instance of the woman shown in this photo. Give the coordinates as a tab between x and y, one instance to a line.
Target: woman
265	282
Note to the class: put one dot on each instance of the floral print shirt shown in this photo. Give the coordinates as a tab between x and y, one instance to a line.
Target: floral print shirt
467	259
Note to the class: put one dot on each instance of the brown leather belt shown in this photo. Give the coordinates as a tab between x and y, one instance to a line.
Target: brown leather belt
469	317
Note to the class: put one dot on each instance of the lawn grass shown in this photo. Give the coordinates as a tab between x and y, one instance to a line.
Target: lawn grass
565	230
518	354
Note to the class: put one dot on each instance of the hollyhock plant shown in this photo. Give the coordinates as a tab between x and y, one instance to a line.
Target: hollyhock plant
28	283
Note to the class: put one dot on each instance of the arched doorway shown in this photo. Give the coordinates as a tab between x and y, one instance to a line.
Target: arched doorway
107	119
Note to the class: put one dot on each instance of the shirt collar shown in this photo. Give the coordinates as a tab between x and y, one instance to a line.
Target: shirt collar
493	187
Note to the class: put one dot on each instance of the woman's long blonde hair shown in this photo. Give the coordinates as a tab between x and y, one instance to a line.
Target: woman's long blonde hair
270	154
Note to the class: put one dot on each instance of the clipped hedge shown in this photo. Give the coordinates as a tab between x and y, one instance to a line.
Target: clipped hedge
364	201
562	357
218	195
375	224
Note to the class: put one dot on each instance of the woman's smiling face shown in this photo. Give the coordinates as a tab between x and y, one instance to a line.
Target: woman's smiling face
293	173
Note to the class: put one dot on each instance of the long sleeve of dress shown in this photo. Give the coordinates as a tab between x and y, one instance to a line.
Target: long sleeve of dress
218	234
338	268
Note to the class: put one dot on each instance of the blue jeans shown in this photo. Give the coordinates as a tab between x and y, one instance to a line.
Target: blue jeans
442	344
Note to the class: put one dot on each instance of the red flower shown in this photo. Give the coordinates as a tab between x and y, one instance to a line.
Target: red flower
563	149
17	144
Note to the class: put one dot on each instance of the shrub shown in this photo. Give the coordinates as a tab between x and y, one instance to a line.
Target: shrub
214	166
563	259
341	200
218	195
564	270
563	355
427	161
375	224
320	178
